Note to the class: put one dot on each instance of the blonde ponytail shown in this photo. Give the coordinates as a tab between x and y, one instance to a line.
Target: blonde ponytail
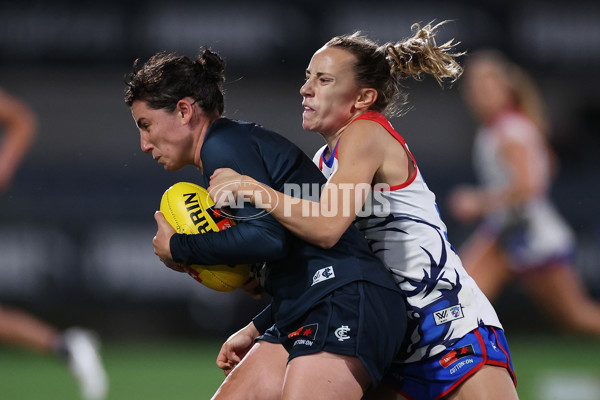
384	67
420	55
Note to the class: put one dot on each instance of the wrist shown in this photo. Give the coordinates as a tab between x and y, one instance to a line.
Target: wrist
252	331
491	201
249	186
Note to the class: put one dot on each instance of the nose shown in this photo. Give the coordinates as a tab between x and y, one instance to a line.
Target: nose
306	89
145	144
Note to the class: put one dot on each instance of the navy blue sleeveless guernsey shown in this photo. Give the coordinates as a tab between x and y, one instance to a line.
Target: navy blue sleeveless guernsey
297	273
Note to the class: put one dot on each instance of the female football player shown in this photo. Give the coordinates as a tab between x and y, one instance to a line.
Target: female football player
326	333
456	346
522	234
79	347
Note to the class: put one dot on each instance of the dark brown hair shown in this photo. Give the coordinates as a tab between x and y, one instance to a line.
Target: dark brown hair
166	78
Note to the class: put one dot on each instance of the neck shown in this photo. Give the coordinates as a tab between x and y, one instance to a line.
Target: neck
333	138
204	124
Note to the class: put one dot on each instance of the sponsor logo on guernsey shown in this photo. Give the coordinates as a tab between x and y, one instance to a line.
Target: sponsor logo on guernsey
323	274
447	314
455	354
461	364
304	342
305	335
307	331
219	218
341	333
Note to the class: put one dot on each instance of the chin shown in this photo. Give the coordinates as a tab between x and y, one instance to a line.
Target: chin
308	127
168	167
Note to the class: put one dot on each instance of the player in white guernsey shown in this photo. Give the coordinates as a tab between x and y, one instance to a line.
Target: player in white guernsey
522	234
456	346
445	303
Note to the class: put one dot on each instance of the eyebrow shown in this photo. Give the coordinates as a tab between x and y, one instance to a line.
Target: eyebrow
318	74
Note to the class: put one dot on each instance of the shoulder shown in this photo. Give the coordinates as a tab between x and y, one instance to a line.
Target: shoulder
515	127
362	143
241	132
225	127
373	123
226	144
366	135
228	134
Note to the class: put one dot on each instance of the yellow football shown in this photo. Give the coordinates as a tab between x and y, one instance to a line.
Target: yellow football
190	210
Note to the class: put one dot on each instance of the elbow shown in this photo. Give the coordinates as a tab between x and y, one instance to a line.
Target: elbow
328	238
273	247
277	250
326	243
526	192
29	124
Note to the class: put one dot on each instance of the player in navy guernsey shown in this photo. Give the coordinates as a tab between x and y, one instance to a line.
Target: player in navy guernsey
332	309
273	160
455	345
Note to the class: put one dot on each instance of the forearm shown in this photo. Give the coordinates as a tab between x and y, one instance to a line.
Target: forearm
14	149
17	140
239	244
490	200
301	216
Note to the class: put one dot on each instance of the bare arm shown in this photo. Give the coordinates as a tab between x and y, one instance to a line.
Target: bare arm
19	125
470	203
236	347
360	157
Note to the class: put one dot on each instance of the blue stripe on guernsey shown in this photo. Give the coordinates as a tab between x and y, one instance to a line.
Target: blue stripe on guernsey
332	156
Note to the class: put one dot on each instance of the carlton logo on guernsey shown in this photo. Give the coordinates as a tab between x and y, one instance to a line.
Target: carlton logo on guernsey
444	302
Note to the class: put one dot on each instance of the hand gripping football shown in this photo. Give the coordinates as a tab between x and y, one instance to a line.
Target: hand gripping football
190	210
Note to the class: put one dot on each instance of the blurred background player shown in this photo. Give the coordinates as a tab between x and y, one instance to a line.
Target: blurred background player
521	233
17	327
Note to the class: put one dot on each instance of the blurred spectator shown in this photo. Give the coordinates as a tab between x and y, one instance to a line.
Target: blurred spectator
521	233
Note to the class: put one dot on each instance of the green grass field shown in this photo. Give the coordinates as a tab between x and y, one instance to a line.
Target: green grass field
547	368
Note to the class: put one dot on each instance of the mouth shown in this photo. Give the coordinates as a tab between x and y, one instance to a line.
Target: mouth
307	108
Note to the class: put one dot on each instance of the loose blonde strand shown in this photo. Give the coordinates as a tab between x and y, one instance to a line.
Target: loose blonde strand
420	55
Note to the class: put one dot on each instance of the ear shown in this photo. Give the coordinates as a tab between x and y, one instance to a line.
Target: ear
185	110
366	98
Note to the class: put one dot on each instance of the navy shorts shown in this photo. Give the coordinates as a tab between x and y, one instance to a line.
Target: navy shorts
360	319
439	375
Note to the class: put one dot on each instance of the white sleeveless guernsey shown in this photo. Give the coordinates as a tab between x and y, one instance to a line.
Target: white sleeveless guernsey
444	302
547	236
